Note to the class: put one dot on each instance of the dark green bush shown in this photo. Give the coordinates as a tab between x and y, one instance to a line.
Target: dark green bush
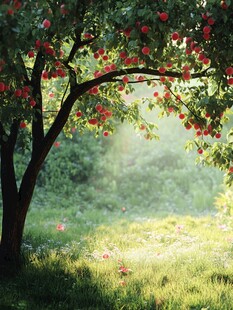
67	166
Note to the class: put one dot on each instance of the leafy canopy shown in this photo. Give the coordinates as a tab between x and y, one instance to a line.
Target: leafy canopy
67	65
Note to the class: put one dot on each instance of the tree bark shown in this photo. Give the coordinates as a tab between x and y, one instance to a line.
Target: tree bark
12	225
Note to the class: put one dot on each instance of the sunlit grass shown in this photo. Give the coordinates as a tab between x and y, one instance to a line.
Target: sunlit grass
177	262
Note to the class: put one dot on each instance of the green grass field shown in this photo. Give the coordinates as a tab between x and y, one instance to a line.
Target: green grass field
117	260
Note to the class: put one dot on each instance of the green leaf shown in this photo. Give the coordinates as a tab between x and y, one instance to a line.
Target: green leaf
212	88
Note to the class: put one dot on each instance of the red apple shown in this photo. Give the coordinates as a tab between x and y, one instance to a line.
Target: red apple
197	49
206	61
206	29
107	68
32	103
123	55
186	68
206	36
201	57
210	21
2	87
98	107
24	95
224	6
181	116
146	50
230	81
93	121
45	75
96	55
54	74
79	114
31	54
135	60
229	71
125	79
105	57
175	36
95	90
142	127
167	95
101	51
17	5
10	12
186	76
22	125
113	67
128	61
162	70
188	126
144	29
204	16
46	23
38	44
18	93
163	16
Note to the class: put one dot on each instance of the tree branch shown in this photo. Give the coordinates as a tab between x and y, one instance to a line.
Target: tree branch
2	132
138	81
185	104
110	77
37	123
25	75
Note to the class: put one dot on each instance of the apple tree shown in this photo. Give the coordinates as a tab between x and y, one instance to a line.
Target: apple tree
64	65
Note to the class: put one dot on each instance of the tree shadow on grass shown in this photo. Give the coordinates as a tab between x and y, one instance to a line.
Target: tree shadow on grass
53	287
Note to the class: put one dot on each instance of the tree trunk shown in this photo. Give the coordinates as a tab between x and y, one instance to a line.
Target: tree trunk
12	220
11	239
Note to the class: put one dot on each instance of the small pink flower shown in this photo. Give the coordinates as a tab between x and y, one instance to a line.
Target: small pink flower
124	270
60	227
105	256
223	227
179	228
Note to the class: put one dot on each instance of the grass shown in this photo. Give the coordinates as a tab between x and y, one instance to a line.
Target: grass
176	262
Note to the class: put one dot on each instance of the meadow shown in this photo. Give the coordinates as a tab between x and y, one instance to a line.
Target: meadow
125	223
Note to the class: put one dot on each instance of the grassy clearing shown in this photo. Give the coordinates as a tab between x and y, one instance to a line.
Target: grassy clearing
117	260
